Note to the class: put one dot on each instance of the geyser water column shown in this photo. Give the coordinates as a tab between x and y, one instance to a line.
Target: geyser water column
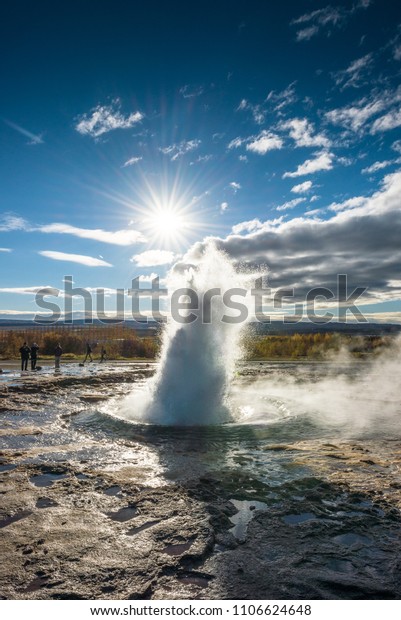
197	360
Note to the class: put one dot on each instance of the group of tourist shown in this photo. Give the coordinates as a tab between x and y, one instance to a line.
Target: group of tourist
31	353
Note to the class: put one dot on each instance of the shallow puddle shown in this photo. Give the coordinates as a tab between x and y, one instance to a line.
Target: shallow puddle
177	549
45	502
46	480
124	514
113	490
14	518
6	467
246	510
300	518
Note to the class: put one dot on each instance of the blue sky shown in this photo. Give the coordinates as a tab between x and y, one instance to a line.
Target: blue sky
131	132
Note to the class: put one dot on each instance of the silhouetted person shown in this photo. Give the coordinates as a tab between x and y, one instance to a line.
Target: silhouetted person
103	354
88	352
58	352
34	355
24	352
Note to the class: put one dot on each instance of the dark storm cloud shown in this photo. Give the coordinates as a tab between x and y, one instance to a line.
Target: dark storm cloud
363	242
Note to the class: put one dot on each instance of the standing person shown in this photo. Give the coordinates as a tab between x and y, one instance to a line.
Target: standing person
24	352
34	355
103	354
88	352
58	351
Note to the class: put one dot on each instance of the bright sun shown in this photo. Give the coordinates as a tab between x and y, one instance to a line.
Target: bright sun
169	213
166	224
166	216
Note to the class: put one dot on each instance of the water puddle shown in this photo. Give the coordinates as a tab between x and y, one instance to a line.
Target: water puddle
9	467
177	549
45	502
36	584
14	518
352	539
340	566
124	514
46	480
295	519
195	579
113	490
246	510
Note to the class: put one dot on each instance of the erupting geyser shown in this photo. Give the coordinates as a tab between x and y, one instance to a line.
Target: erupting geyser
197	359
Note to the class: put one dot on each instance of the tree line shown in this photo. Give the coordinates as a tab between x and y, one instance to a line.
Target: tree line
313	346
119	342
124	342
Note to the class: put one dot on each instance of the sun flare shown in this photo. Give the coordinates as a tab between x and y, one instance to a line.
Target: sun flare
166	223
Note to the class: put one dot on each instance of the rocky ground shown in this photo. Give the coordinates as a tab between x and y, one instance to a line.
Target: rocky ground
93	518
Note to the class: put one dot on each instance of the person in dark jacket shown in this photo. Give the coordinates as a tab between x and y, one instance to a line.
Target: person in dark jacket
58	352
34	355
88	353
103	354
24	352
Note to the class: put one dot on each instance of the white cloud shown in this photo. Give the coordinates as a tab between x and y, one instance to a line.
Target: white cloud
396	146
103	119
237	142
323	161
5	250
325	19
28	290
378	165
88	261
397	52
34	139
304	252
312	212
254	225
147	278
302	132
355	74
9	222
178	150
16	312
188	91
201	159
290	204
307	33
223	207
235	186
256	111
119	237
282	98
264	142
302	187
132	161
153	258
391	120
357	115
318	20
351	203
249	226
